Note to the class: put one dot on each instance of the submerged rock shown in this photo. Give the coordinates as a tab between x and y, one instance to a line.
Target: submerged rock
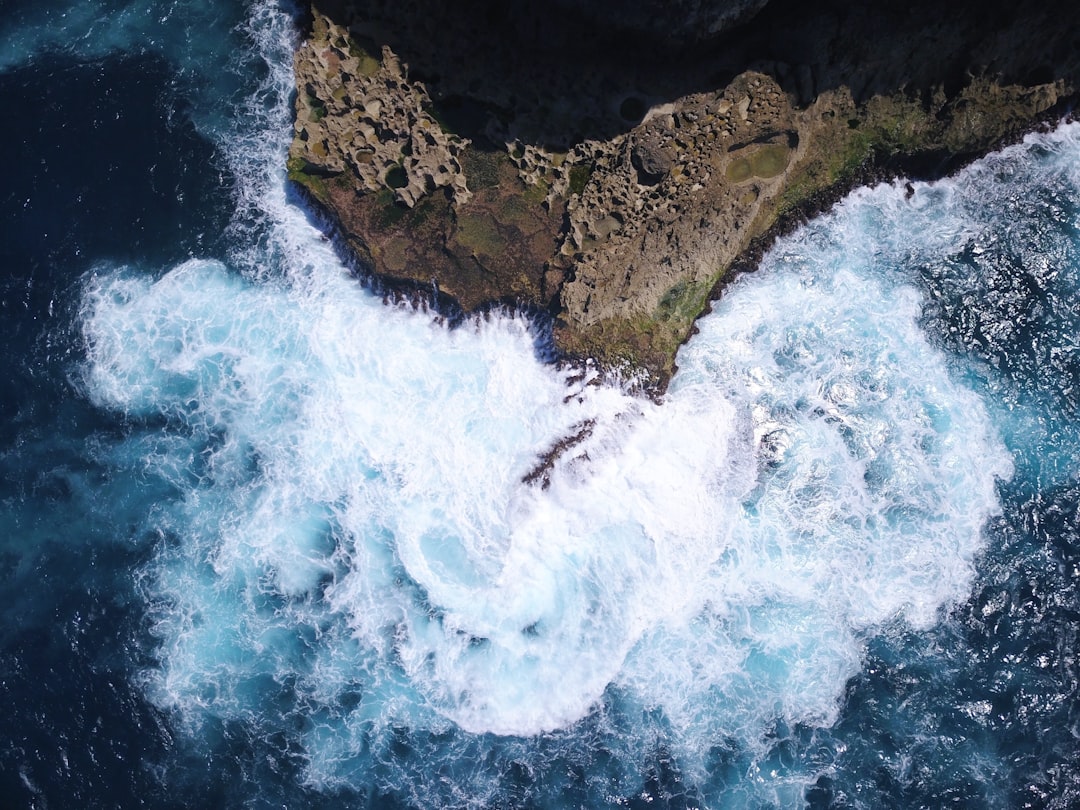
528	154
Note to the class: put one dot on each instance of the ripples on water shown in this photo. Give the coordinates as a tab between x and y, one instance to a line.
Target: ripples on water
269	538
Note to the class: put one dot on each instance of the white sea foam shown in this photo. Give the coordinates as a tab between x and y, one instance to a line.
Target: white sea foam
352	527
814	473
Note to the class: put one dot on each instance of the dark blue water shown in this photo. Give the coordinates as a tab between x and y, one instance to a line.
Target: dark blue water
104	164
263	538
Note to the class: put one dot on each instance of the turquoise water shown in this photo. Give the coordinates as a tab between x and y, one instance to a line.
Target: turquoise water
267	539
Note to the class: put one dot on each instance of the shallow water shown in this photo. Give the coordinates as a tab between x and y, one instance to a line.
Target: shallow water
268	540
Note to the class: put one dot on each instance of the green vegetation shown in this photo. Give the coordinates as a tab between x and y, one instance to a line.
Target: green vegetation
899	126
318	109
480	234
426	207
887	127
579	177
485	169
388	212
517	209
536	193
854	148
646	343
298	171
847	160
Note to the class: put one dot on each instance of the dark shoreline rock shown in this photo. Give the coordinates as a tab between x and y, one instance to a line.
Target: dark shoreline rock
923	167
619	192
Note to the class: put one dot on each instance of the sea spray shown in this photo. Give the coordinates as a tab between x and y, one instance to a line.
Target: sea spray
352	519
348	554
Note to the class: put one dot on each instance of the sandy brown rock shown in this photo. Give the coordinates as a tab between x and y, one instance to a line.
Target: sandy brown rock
524	158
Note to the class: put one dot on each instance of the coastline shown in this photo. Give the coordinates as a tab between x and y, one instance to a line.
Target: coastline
871	175
465	203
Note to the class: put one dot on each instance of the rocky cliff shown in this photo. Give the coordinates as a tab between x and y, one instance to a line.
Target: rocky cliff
616	175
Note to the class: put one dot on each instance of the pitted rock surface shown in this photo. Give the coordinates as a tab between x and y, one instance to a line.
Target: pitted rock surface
359	114
520	154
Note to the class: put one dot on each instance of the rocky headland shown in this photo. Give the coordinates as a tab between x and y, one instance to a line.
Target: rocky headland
614	164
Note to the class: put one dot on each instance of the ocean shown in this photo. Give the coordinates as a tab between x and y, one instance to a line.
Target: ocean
269	541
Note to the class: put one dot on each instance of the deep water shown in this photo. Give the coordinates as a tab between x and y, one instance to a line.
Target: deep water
266	540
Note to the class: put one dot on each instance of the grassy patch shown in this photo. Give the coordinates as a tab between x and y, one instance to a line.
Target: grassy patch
847	160
579	177
480	234
426	207
513	210
826	170
536	193
885	128
297	169
389	212
484	169
897	125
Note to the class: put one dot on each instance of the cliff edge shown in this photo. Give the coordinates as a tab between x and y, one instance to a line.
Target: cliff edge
615	176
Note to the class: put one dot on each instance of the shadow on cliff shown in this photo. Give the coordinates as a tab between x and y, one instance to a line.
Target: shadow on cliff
538	73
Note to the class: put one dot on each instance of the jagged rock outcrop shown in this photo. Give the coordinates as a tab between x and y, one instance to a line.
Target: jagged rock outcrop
362	116
510	153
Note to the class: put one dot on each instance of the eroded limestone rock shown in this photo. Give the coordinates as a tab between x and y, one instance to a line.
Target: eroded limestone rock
506	155
360	114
